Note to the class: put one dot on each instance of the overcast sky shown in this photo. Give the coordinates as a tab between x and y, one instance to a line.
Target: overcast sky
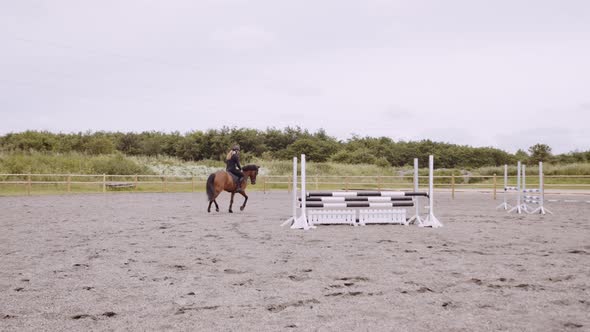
502	73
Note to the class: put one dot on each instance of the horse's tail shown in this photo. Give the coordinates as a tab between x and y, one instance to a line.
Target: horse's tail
211	187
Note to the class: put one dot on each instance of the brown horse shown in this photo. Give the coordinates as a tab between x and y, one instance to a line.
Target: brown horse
222	180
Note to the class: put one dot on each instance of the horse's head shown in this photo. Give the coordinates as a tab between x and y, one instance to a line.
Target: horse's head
251	171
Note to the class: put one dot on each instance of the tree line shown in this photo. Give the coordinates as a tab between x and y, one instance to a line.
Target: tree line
280	144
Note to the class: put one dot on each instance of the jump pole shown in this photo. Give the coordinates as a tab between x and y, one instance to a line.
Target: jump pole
416	217
292	219
301	221
505	204
431	220
525	207
518	207
541	209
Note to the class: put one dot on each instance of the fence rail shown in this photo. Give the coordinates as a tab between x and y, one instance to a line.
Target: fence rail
29	184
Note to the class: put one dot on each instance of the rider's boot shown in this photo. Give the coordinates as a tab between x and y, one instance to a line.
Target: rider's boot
239	186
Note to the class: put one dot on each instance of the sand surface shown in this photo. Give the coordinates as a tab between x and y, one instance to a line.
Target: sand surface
160	262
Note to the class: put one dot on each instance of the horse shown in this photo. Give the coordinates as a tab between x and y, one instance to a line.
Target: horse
222	180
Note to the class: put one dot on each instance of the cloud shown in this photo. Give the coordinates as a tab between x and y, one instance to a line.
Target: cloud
396	112
244	37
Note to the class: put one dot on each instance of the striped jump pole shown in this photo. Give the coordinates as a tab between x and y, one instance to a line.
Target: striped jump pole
343	205
367	194
341	199
416	217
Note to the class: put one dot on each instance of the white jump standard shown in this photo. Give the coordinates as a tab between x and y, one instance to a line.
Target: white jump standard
524	195
364	207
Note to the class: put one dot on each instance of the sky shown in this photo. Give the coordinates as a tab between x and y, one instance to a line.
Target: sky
505	73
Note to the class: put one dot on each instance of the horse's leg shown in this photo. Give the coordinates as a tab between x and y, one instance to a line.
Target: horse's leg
231	201
214	200
245	200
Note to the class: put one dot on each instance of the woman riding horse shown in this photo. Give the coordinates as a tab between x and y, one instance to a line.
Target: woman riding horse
232	160
222	180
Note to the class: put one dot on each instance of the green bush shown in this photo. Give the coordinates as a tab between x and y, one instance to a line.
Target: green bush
116	165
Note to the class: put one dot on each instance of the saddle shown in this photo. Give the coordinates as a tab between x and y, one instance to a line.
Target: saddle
234	177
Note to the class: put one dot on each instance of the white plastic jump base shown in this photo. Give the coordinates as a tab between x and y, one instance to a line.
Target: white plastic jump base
389	216
351	216
331	217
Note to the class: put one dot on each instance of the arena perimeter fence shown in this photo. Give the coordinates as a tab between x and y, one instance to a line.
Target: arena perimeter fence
33	184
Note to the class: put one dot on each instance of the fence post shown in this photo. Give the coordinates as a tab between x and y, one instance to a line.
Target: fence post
379	182
104	183
346	183
453	185
264	185
69	183
29	184
495	185
316	183
135	180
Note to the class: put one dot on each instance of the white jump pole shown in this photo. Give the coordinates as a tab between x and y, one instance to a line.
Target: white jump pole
292	219
301	221
416	218
525	207
541	209
518	207
431	220
505	204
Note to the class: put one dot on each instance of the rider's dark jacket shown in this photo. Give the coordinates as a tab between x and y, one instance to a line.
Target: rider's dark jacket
233	165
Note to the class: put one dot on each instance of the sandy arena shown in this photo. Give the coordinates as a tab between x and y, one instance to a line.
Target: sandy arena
160	262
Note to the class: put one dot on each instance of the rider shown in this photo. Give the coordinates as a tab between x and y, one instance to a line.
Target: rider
232	161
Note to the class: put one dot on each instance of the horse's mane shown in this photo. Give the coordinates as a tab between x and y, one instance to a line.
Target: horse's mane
250	168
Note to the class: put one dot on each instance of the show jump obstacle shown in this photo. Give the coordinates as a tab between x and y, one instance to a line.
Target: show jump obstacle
523	195
359	207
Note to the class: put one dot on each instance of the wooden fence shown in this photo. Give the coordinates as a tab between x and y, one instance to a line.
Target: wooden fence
29	184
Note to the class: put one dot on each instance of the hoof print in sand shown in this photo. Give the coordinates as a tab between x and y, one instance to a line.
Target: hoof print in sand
424	289
232	271
82	316
449	305
345	294
578	252
182	310
282	306
573	325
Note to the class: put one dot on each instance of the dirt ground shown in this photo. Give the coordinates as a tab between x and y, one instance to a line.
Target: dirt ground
161	262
